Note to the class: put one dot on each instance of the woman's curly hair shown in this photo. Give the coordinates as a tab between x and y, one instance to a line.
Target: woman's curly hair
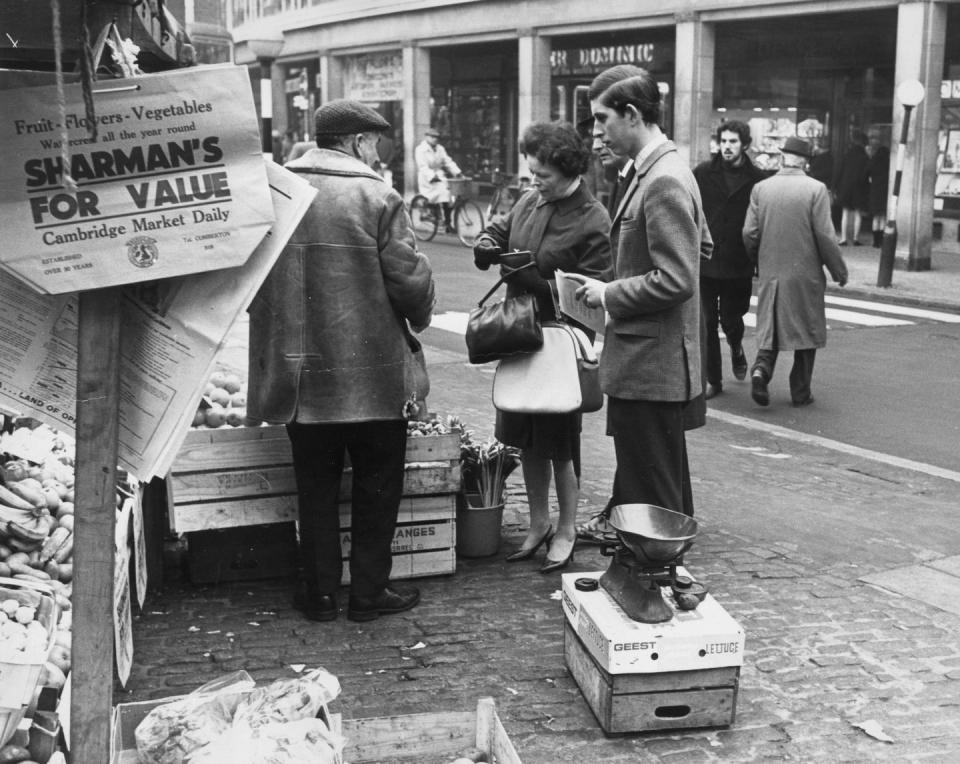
557	144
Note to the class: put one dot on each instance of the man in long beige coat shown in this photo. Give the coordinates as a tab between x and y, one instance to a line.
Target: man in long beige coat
789	234
650	366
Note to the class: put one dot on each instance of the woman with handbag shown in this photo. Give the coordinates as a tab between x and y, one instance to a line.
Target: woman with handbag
562	226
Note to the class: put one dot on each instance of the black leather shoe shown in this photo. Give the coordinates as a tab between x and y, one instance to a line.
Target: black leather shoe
805	402
551	565
526	554
389	601
322	607
758	389
739	361
712	391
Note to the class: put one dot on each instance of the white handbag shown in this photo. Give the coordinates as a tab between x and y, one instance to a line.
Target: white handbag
548	380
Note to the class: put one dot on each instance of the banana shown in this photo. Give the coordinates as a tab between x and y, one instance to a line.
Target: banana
35	535
22	546
14	500
57	538
65	552
28	493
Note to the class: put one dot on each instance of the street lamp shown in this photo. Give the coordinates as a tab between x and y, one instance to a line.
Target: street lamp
910	93
266	50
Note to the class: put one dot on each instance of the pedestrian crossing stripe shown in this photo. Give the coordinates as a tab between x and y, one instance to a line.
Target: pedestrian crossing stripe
847	316
895	310
845	309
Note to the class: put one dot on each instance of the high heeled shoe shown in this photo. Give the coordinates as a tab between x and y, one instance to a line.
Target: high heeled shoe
551	565
526	554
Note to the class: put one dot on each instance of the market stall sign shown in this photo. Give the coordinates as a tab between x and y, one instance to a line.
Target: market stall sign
174	182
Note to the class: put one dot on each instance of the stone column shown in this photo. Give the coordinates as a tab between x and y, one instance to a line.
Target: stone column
533	88
921	36
693	87
331	77
416	109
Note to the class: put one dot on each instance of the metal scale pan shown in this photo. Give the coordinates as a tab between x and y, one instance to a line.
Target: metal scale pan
652	540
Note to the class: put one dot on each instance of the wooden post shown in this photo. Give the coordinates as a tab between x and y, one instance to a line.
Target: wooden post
98	397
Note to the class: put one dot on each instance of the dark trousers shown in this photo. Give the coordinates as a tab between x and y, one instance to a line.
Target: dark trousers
377	453
725	303
800	375
651	451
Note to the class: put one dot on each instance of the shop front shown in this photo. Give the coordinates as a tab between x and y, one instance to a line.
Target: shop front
473	103
817	76
946	203
575	61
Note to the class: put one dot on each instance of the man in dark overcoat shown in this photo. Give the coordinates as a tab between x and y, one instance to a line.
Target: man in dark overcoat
726	278
789	234
332	358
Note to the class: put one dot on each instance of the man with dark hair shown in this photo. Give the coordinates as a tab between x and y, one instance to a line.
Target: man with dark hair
789	234
650	366
726	279
332	358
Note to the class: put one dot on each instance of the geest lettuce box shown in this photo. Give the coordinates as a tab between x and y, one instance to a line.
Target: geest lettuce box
707	637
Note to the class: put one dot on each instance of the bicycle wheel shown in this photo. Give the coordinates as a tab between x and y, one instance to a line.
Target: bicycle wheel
468	222
424	217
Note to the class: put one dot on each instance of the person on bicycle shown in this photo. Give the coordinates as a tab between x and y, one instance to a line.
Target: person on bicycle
434	166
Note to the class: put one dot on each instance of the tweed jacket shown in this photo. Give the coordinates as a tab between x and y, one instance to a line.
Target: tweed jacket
789	234
652	343
329	340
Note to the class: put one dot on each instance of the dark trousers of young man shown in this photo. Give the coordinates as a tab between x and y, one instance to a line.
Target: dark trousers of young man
800	375
725	302
377	453
651	449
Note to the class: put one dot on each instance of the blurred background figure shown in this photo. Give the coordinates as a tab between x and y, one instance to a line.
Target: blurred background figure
434	166
878	171
851	185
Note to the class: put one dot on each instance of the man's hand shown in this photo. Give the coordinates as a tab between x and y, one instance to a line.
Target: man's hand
591	291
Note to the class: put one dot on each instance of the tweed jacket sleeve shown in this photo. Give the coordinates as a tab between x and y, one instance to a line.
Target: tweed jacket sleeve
664	270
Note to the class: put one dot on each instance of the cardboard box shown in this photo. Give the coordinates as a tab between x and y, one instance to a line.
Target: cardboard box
707	637
644	702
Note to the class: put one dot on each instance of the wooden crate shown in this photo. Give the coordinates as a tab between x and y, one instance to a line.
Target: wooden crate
232	477
644	702
428	737
423	545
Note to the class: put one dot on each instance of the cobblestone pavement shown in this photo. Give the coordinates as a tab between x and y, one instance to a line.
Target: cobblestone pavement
835	669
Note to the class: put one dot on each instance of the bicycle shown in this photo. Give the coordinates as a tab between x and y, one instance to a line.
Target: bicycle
465	213
507	189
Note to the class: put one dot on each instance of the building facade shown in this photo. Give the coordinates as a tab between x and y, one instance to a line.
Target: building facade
480	70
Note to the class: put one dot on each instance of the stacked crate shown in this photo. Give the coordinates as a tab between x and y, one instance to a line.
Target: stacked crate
638	677
232	492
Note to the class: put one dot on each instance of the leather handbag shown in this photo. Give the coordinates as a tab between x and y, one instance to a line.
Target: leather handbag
504	328
560	378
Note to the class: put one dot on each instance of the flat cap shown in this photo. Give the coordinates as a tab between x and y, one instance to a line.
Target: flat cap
794	145
342	117
432	131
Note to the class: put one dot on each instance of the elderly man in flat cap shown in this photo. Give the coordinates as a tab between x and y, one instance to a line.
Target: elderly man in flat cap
332	357
434	166
788	233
